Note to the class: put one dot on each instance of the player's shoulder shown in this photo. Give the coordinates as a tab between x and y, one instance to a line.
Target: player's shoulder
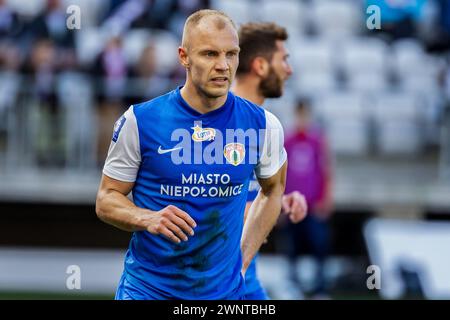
255	111
247	106
250	113
154	105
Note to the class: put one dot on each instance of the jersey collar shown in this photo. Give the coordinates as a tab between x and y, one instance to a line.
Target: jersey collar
186	107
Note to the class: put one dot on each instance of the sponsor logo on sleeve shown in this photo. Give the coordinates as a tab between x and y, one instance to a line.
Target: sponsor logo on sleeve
117	127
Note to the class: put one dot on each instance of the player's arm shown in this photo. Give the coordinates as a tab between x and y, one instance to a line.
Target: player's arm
262	215
115	208
271	174
119	175
247	208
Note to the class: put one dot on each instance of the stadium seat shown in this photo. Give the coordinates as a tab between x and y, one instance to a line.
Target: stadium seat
423	83
411	60
289	13
166	45
134	42
9	85
89	42
241	11
364	63
408	55
367	82
346	122
74	91
312	54
26	7
364	54
314	82
398	105
433	111
417	71
337	19
9	91
397	120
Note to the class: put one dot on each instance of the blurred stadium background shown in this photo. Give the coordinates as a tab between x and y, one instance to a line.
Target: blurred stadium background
382	96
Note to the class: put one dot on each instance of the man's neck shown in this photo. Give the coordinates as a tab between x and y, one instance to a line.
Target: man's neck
199	102
247	88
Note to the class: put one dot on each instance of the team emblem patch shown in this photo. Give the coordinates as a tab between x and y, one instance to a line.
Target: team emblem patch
117	127
234	153
203	134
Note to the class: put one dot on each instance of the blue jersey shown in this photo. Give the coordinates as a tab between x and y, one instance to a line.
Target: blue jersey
202	164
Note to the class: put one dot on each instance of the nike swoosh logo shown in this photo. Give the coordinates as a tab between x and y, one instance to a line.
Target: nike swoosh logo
161	151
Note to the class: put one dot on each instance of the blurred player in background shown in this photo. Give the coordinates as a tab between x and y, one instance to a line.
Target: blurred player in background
262	71
165	259
310	172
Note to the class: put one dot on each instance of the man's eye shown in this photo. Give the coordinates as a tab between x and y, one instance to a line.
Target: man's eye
211	54
231	54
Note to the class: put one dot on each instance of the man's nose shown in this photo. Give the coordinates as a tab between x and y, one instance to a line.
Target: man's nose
222	63
289	70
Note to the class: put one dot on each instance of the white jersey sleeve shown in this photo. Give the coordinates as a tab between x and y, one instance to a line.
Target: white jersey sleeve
124	154
273	154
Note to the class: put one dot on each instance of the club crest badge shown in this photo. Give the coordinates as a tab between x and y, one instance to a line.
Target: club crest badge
203	134
234	153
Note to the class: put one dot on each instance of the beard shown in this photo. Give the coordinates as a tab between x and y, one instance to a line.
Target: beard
272	86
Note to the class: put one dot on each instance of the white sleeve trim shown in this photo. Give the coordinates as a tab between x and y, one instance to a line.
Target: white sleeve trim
117	175
124	154
274	154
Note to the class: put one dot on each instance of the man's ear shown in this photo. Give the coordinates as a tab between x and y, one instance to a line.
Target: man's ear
183	57
260	66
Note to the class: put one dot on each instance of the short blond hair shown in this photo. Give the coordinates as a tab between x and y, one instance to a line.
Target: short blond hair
194	19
